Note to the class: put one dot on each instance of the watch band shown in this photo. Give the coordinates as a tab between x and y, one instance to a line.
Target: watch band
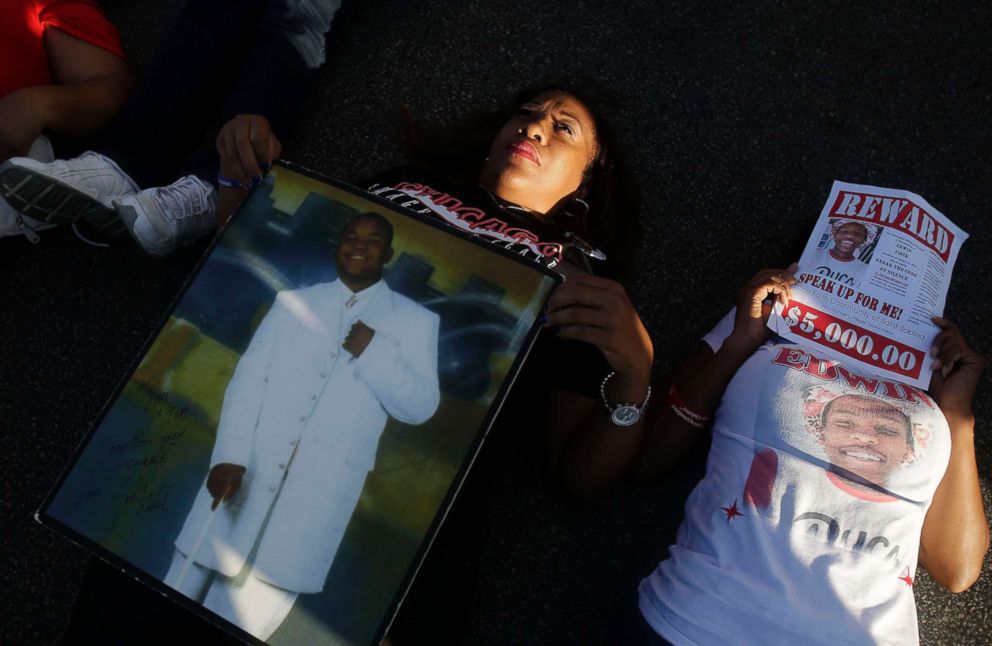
623	413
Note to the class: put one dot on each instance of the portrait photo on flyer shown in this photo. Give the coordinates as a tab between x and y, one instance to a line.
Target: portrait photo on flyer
288	442
872	276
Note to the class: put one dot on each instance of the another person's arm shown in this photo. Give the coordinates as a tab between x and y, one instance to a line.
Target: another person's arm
90	86
700	381
955	532
247	147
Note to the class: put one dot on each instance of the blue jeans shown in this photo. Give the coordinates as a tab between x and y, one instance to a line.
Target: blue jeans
220	58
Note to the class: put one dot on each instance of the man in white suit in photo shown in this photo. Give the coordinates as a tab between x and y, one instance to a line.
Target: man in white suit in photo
298	433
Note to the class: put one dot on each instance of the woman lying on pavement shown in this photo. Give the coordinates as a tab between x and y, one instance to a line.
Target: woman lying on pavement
553	189
824	488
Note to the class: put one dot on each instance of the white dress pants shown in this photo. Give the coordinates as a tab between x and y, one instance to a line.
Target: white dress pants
246	601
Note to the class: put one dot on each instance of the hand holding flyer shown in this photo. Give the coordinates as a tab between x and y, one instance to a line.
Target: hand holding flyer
872	276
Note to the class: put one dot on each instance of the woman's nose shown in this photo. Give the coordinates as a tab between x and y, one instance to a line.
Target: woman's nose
535	129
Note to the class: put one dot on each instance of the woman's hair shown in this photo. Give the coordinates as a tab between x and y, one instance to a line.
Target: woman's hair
458	151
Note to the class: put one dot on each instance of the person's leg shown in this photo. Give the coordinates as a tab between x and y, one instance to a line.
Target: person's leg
257	607
274	81
278	74
163	121
183	87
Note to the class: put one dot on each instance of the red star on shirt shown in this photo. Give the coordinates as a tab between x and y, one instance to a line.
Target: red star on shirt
908	580
732	511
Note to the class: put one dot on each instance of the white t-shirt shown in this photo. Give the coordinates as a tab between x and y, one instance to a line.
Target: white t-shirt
806	527
846	272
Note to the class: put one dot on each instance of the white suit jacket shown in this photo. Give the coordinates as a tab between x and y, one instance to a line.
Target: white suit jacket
277	421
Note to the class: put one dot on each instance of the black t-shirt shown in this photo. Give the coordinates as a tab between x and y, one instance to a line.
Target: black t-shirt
570	365
473	210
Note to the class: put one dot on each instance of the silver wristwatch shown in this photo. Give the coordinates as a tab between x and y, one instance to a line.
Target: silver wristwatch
623	413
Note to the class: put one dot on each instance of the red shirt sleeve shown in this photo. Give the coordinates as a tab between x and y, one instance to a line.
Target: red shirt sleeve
23	59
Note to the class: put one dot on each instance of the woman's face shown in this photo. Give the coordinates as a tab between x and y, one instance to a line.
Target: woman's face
540	156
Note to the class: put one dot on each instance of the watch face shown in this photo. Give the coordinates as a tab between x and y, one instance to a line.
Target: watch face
625	415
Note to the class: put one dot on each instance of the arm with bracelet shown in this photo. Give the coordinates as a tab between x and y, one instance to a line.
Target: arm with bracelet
695	387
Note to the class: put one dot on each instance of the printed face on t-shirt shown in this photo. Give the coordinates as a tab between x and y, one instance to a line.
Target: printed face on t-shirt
848	237
866	436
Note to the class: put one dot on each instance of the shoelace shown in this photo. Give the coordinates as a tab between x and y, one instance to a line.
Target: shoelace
186	204
93	243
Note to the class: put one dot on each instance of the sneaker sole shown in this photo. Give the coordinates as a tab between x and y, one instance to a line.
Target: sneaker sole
43	198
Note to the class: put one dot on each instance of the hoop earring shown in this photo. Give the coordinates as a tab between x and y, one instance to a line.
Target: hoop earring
584	207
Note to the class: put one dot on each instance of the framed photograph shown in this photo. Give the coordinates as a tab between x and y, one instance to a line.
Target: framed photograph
285	448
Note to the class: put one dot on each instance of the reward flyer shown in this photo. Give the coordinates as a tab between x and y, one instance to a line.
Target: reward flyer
874	272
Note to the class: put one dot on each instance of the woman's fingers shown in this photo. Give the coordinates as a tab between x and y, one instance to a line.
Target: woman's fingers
580	315
267	147
597	311
950	350
250	168
757	294
591	291
247	148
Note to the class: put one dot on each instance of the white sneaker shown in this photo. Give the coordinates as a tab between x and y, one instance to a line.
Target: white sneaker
161	219
65	190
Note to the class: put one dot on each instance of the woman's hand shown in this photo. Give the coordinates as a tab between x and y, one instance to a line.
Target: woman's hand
586	448
598	311
956	371
955	533
754	306
247	147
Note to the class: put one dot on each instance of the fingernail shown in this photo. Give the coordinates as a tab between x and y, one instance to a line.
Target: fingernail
945	371
935	365
266	166
544	319
933	351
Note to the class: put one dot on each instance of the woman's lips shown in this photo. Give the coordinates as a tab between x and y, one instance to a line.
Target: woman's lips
525	149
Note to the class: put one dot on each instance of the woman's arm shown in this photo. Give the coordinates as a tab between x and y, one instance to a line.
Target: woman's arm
699	383
247	147
586	448
955	533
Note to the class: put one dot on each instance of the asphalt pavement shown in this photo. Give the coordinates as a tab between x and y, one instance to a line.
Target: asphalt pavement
739	117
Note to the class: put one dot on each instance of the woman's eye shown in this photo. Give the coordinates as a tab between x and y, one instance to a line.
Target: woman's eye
885	430
564	127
